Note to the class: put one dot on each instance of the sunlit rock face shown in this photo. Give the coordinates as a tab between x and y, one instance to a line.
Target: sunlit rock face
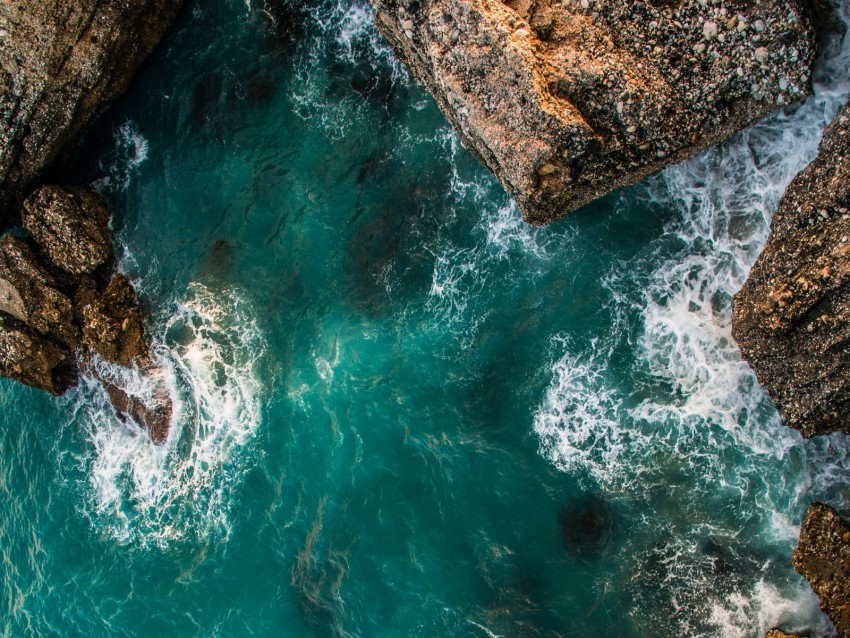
567	101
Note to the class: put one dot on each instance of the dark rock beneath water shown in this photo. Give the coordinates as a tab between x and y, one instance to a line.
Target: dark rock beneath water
61	61
823	558
586	524
791	319
71	225
567	101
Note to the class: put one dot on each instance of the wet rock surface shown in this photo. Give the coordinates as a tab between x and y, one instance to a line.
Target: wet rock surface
54	318
60	61
823	558
71	225
778	633
567	101
111	321
792	317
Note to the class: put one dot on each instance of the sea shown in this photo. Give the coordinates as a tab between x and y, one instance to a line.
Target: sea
400	411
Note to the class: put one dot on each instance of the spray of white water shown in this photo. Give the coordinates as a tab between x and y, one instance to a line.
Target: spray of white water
207	351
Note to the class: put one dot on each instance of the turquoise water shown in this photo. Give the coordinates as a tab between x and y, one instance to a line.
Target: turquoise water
400	410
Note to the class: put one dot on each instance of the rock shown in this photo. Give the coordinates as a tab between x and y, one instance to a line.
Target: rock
154	417
111	321
823	557
60	61
791	319
71	225
30	293
777	633
35	360
602	92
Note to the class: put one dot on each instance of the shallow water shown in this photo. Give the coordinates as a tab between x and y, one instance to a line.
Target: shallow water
400	410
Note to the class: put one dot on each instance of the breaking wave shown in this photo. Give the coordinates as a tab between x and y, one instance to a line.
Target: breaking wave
207	352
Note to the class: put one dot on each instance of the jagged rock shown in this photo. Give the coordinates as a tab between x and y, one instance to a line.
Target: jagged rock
111	321
778	633
31	294
155	417
60	61
566	101
35	360
71	225
823	558
792	317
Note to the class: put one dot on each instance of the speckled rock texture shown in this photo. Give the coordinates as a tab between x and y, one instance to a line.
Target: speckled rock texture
778	633
567	100
54	317
823	557
111	321
792	317
60	61
72	227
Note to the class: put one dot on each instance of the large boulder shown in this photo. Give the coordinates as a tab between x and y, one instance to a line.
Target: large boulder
568	100
35	360
111	321
823	557
60	61
30	293
792	317
71	225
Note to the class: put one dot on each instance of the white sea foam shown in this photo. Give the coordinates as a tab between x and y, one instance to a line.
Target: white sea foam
208	350
119	166
694	405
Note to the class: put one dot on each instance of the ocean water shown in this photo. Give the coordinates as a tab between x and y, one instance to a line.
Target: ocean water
400	411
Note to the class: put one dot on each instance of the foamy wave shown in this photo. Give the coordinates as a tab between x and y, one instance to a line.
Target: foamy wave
208	351
755	612
349	36
130	152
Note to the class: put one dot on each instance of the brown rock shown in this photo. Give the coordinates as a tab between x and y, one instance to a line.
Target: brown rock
778	633
823	558
155	416
30	293
71	226
35	360
111	321
792	317
60	61
567	101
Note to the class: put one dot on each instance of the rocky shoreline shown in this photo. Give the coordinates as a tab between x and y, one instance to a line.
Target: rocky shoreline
63	306
559	100
564	105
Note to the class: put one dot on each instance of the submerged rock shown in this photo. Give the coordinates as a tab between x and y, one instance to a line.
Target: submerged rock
60	61
72	227
823	558
586	524
567	101
792	317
